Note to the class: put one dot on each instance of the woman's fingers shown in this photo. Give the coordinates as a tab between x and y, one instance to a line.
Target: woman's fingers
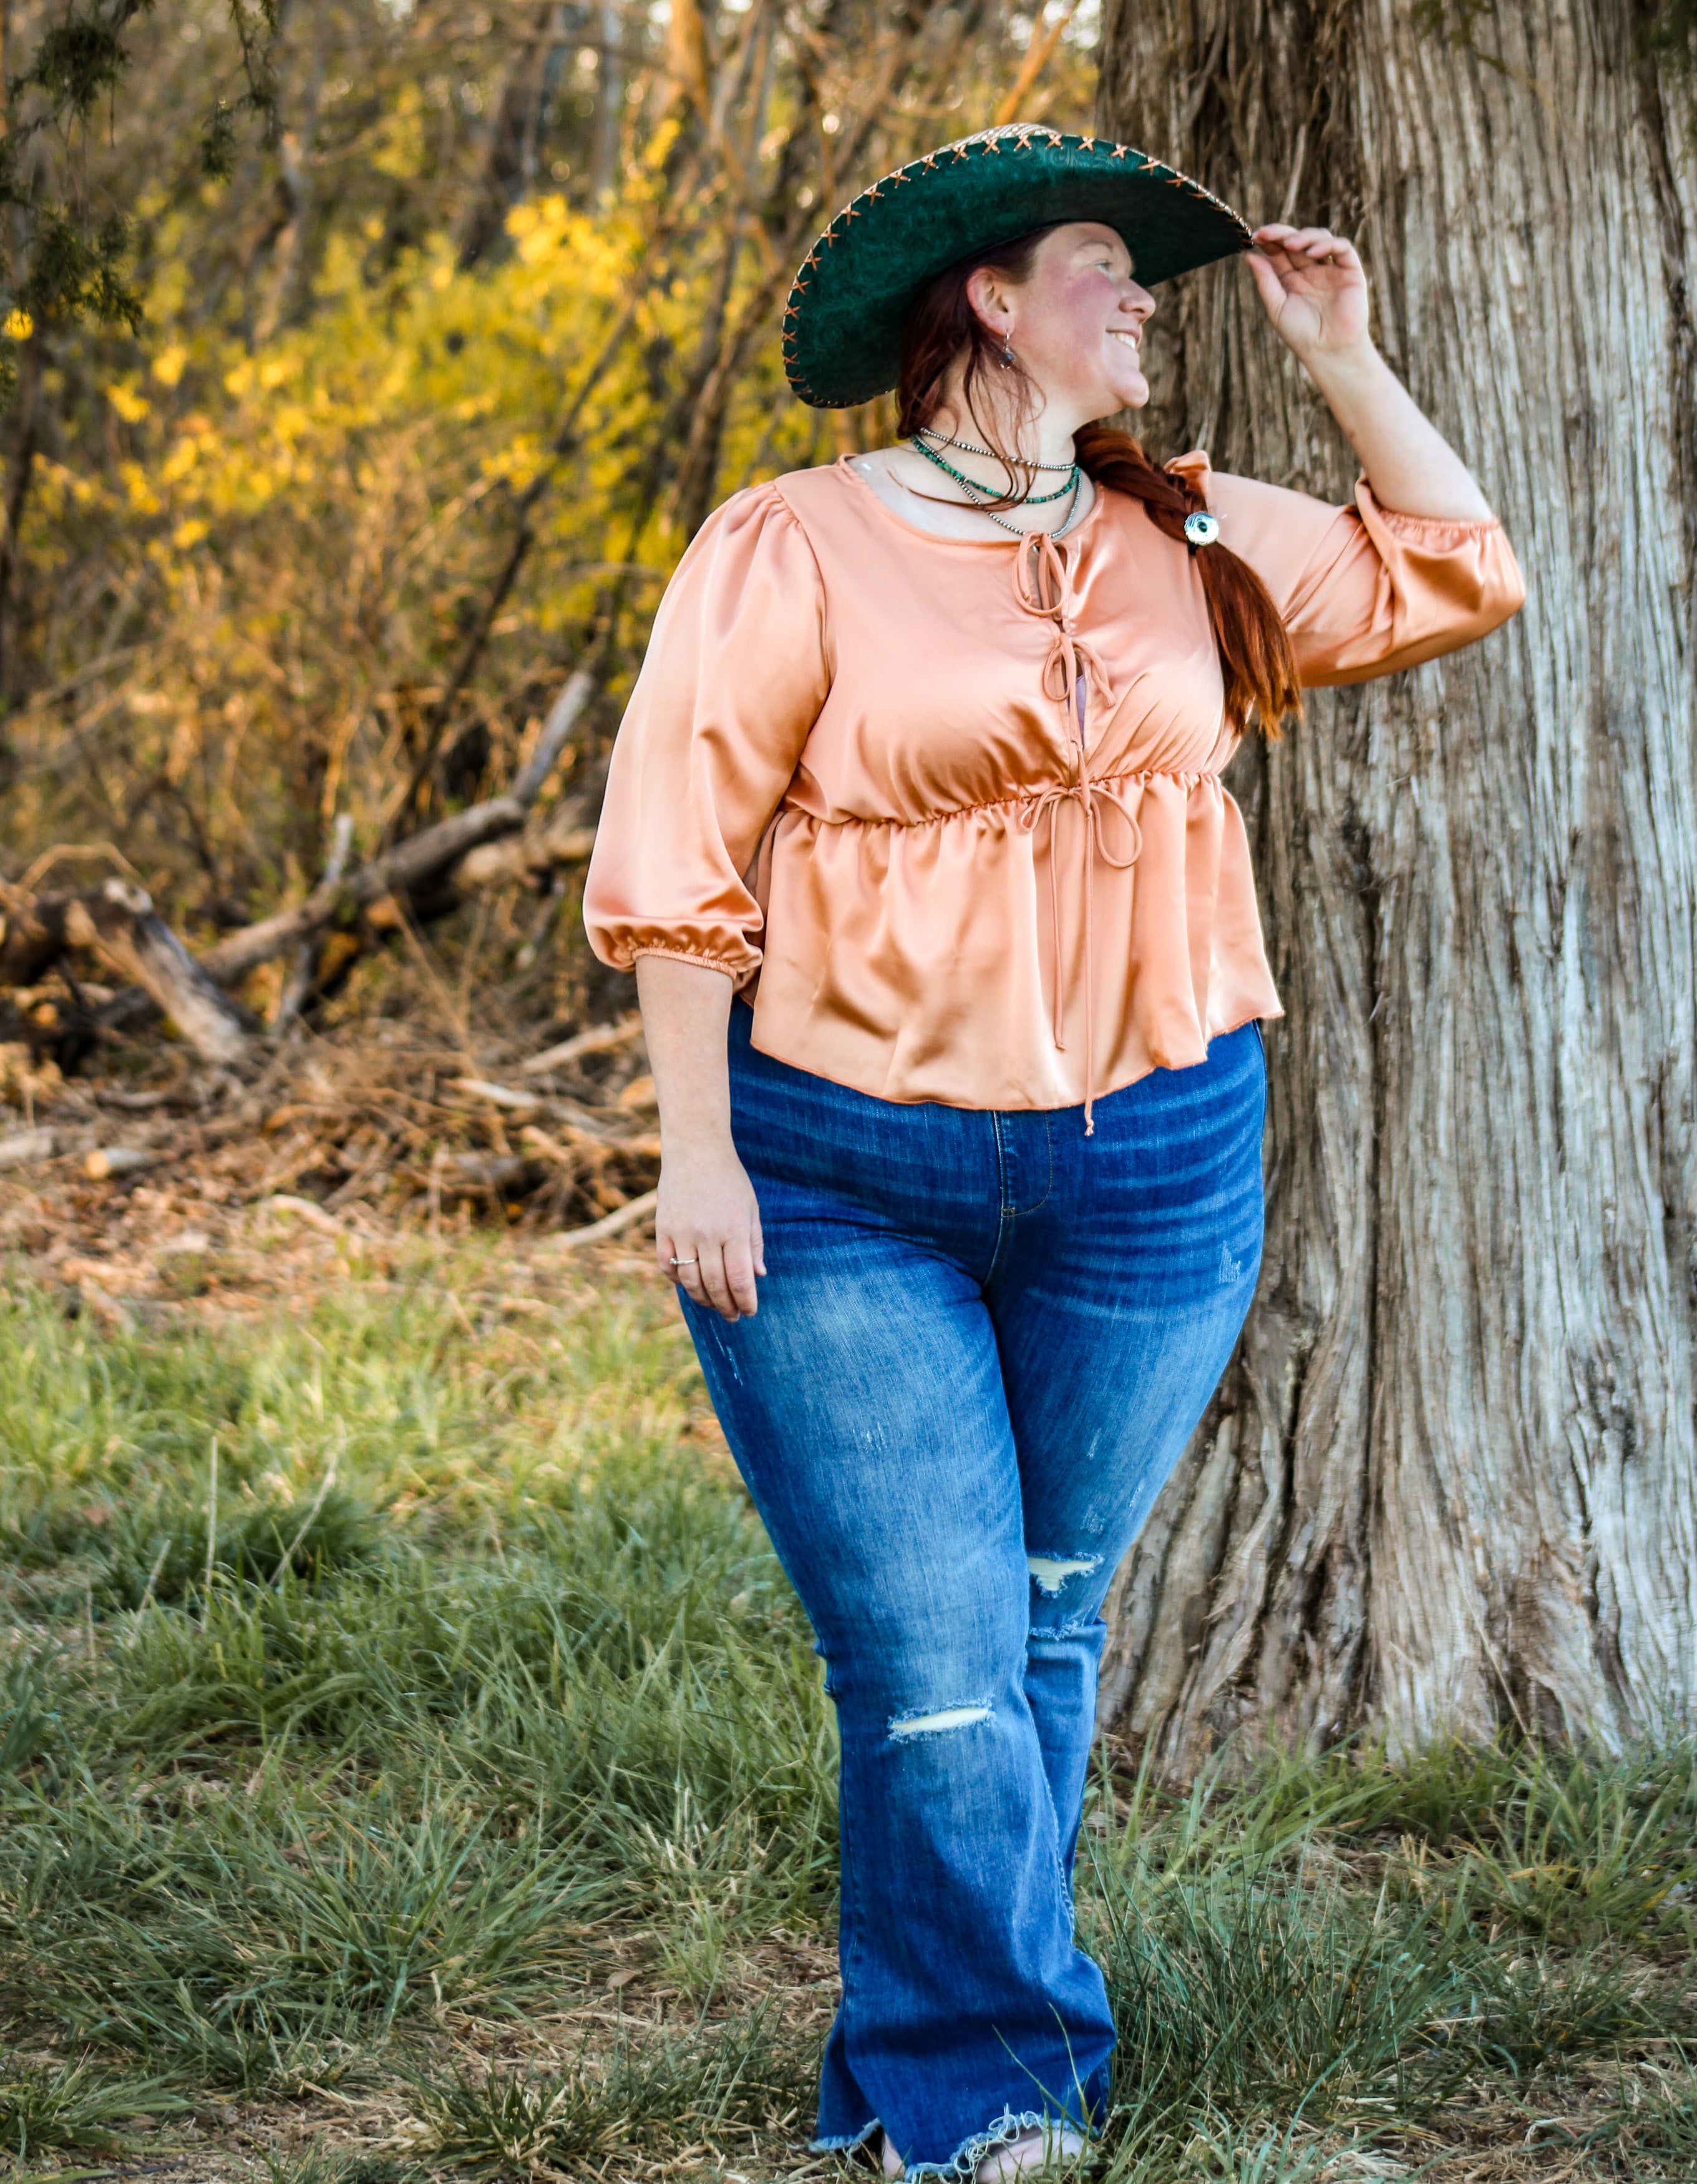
697	1267
681	1262
738	1263
1267	279
1312	246
1312	287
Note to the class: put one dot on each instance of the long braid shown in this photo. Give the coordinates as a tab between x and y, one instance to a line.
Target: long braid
1256	660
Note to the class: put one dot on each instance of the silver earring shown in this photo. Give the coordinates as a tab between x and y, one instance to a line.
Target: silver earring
1007	352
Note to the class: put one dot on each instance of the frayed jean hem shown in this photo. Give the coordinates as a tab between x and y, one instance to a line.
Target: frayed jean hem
964	2163
843	2145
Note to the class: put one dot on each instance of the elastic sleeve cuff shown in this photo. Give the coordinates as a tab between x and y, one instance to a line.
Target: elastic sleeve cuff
1438	530
736	973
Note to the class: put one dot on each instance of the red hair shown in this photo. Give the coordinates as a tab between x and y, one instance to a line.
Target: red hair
1257	661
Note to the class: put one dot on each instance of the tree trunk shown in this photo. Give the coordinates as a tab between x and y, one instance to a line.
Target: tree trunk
1450	1482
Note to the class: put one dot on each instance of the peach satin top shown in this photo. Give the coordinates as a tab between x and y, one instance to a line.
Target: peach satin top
955	805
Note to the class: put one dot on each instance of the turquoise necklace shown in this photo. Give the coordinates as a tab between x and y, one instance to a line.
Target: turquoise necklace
979	495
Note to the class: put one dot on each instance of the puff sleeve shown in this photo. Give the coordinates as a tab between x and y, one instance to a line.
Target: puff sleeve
734	677
1363	590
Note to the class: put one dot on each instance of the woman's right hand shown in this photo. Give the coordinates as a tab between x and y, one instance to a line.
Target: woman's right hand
707	1224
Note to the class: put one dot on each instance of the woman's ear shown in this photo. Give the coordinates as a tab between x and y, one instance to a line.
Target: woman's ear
986	292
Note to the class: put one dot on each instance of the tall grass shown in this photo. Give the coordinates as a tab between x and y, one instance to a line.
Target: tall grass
472	1683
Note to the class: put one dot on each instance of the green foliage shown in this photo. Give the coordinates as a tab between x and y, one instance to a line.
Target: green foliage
1244	1994
157	1548
81	58
74	2108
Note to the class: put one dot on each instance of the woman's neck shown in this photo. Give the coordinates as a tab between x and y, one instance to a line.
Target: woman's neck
1047	439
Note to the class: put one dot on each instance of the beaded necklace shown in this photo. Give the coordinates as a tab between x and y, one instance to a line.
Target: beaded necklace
979	495
970	448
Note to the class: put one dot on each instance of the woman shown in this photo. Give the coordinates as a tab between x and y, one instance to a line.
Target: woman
924	763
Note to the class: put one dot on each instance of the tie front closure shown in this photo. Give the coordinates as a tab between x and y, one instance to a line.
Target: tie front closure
1042	587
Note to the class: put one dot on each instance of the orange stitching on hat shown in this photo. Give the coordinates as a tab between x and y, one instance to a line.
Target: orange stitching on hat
963	151
991	145
1119	151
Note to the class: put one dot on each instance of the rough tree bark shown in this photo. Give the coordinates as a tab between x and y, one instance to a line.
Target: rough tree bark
1450	1482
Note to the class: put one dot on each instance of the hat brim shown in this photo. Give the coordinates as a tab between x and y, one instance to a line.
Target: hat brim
842	329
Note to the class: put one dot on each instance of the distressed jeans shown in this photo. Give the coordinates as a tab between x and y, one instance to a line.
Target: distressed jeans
983	1339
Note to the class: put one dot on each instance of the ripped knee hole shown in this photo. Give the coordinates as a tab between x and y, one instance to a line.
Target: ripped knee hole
909	1726
1050	1572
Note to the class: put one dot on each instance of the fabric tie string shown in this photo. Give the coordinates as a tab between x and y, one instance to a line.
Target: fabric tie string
1042	587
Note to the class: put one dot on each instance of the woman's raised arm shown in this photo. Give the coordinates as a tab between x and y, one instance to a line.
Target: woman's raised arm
1315	294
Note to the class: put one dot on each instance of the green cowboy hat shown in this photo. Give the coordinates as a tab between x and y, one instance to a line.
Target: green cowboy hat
842	330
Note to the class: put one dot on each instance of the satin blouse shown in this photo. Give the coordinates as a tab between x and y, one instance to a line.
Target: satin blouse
952	808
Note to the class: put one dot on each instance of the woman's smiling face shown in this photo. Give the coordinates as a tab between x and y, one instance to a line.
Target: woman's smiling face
1076	321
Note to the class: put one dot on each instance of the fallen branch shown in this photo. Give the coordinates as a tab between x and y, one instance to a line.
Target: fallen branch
604	1039
623	1217
298	984
525	858
410	864
132	937
499	1095
106	1161
284	1201
117	922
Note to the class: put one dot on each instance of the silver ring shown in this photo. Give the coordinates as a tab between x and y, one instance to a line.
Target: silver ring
687	1262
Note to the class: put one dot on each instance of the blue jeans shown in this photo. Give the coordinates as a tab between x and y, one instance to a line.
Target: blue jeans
982	1342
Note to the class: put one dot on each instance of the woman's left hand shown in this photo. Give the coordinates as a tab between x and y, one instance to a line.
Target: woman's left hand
1314	289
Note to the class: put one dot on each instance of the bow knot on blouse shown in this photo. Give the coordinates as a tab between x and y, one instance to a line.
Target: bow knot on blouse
1041	587
854	748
